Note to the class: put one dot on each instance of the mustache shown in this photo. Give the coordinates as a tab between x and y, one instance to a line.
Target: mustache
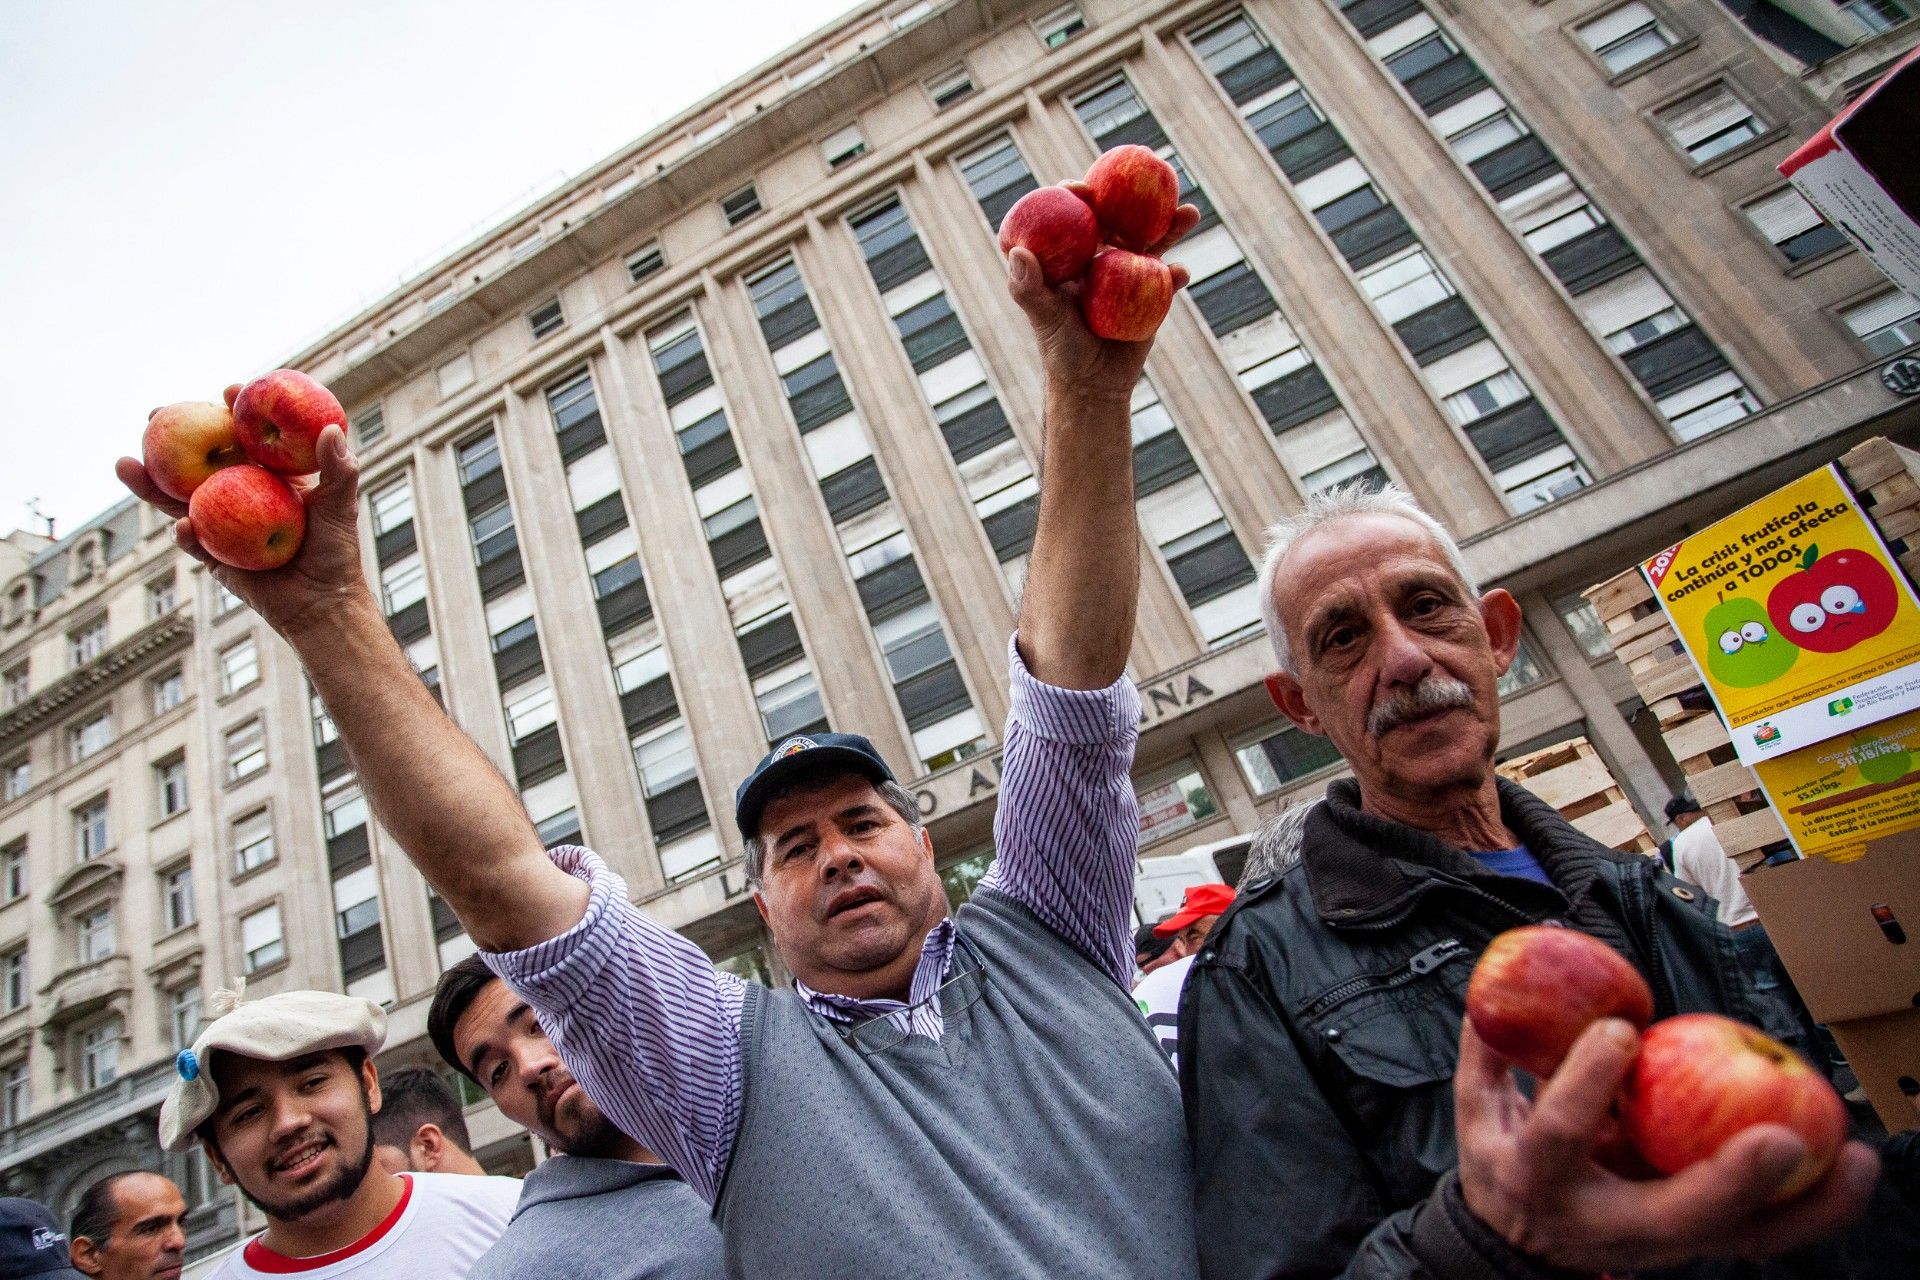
299	1142
546	1089
1433	693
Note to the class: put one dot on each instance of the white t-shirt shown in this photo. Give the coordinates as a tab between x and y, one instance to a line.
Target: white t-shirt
1158	996
1699	859
441	1226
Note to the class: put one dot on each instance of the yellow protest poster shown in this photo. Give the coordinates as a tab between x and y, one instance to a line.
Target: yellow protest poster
1800	622
1837	795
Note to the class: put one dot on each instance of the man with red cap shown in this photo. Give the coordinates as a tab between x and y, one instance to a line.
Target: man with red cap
1158	994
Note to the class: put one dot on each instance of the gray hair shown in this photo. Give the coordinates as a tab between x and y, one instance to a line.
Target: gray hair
1276	846
1341	502
898	798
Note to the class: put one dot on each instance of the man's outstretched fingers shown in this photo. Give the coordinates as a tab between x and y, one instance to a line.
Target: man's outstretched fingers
187	541
1569	1109
134	475
1185	219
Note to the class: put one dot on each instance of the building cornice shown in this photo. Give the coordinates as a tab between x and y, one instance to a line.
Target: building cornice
156	639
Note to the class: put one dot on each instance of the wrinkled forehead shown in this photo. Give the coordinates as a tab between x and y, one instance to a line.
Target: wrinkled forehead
1354	547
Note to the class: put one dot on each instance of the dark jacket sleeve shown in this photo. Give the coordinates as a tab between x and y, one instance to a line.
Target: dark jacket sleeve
1280	1189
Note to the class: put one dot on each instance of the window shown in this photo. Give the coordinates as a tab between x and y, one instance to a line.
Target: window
13	686
454	375
998	176
1625	37
90	737
13	871
13	979
239	666
1060	26
224	601
1583	622
403	583
479	458
260	940
545	319
252	842
741	205
87	643
183	1015
342	806
493	534
176	897
1486	396
18	778
246	750
161	597
16	1094
1709	124
1405	285
90	835
1172	799
367	426
94	935
170	782
665	759
843	145
1878	15
100	1055
1281	753
950	86
529	708
356	902
392	506
1525	672
1793	226
644	261
789	702
1886	322
169	691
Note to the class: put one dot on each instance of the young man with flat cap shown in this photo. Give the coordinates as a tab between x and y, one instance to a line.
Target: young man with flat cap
967	1095
281	1093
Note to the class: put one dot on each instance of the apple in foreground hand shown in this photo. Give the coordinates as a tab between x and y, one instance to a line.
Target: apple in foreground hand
186	443
279	417
1134	194
1057	227
248	517
1125	296
1535	989
1701	1078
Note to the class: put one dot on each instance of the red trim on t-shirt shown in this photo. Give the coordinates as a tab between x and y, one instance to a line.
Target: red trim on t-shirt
261	1258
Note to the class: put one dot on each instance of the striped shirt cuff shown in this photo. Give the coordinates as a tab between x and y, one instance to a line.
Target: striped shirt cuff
559	970
1083	717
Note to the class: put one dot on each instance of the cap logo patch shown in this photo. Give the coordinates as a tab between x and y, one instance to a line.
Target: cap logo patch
187	1065
793	747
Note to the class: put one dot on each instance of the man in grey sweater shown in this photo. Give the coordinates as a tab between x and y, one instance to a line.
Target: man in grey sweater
602	1205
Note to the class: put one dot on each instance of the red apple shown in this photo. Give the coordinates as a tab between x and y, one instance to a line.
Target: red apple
248	517
1536	989
279	417
1134	193
1701	1078
1057	227
1124	296
186	443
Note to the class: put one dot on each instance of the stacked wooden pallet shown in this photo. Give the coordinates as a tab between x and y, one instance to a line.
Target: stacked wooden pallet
1573	778
1887	479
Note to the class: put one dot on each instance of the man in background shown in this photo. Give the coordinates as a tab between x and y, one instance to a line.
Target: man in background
1158	994
602	1205
420	1127
130	1226
31	1244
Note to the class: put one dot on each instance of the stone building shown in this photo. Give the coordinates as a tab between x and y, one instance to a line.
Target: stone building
734	435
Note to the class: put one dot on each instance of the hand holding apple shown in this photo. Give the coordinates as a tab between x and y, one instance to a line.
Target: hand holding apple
1134	193
247	517
1535	989
186	443
1057	226
279	417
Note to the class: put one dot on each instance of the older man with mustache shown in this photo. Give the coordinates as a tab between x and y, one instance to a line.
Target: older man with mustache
1344	1120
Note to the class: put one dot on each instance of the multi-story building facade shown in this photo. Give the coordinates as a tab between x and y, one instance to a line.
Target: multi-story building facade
736	435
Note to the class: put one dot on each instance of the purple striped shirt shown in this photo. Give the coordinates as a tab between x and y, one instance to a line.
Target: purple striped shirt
652	1031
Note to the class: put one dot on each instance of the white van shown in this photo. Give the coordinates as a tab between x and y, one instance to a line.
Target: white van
1161	881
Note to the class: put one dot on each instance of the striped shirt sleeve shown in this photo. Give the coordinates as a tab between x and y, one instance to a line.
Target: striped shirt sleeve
1067	826
643	1020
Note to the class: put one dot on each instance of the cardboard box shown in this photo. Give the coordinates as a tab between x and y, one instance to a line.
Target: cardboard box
1849	934
1859	173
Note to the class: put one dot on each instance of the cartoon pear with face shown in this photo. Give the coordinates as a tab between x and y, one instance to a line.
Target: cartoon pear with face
1743	650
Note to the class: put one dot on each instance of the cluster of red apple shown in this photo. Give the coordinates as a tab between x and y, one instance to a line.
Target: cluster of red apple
229	463
1697	1079
1102	232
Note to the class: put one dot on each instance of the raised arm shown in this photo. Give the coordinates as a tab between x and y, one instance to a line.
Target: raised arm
1066	826
427	783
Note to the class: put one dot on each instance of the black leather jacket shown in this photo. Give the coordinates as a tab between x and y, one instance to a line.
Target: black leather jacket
1320	1026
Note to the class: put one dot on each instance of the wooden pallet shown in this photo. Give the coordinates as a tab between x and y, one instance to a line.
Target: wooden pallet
1887	479
1573	778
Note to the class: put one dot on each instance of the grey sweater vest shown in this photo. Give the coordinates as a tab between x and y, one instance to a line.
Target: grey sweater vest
1041	1136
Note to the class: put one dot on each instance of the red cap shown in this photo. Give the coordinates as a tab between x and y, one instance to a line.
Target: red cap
1202	900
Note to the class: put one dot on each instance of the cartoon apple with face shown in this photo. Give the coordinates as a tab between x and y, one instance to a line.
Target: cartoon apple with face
1742	650
1834	602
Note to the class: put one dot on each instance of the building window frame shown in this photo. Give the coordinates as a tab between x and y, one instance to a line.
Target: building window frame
252	846
271	949
1679	39
177	909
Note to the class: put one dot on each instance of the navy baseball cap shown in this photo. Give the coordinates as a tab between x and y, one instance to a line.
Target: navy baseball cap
32	1243
796	757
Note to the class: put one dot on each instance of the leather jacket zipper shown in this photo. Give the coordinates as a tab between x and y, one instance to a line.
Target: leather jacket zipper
1421	964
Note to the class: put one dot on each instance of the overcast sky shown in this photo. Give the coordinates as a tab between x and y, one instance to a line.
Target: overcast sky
191	192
